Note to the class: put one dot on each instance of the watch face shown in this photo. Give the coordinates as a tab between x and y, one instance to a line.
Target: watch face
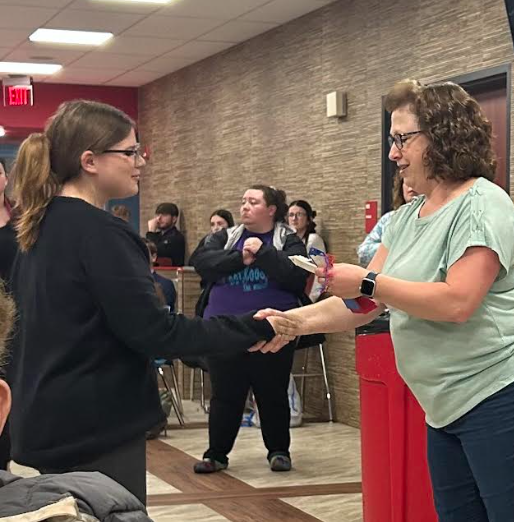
367	287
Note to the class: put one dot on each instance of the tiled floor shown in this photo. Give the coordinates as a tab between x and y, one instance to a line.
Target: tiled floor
324	484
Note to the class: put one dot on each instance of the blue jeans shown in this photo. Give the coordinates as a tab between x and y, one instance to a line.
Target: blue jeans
471	463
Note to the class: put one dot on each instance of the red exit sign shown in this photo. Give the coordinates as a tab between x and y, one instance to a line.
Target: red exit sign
18	95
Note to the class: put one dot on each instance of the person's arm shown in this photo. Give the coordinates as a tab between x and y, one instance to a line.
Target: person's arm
368	248
117	272
328	316
213	263
454	300
276	264
198	248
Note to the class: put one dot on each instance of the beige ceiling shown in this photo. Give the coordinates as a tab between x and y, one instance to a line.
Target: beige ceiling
150	40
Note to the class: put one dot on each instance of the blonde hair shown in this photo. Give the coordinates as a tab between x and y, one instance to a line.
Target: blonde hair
46	161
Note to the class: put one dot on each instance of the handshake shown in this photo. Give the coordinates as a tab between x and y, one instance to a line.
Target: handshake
287	326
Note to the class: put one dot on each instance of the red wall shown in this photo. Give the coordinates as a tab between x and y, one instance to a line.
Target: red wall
20	121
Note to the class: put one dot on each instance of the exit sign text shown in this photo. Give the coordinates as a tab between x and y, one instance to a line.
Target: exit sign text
18	95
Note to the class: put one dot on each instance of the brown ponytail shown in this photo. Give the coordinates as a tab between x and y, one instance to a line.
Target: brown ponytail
45	162
34	187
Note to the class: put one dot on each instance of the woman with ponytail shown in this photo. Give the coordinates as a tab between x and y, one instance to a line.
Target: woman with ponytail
89	321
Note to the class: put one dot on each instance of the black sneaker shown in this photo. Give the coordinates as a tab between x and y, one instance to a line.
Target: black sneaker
209	466
280	463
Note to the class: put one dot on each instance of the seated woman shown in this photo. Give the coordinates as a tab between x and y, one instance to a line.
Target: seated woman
301	217
248	268
219	220
402	194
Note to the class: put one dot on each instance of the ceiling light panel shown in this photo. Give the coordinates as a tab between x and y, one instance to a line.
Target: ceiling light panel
70	37
29	68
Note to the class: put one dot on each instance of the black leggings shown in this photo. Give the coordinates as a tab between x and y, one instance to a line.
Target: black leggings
126	465
231	378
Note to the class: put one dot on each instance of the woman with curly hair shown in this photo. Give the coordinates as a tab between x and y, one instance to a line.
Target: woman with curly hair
445	269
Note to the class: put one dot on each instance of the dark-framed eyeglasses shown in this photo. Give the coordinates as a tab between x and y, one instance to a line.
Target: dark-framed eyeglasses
298	215
132	151
400	139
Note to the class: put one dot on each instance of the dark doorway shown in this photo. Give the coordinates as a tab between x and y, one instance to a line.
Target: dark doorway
491	88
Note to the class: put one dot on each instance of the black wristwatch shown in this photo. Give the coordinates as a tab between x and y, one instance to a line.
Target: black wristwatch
369	284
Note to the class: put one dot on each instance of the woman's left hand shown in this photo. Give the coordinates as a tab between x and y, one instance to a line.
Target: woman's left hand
344	280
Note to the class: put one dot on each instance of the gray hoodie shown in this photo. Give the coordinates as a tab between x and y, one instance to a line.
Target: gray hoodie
80	496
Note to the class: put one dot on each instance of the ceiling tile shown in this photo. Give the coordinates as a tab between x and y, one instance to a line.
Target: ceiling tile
84	76
282	11
171	27
19	17
199	50
166	64
36	3
4	51
13	38
92	21
103	60
140	45
120	7
135	78
30	52
225	10
237	31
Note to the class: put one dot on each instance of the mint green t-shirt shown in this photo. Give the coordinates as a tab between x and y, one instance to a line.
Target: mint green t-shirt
452	367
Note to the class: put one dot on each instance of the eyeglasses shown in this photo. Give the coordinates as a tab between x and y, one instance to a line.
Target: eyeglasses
134	151
298	215
400	139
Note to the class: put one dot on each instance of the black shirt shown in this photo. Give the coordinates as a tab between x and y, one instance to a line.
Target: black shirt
89	322
8	250
170	243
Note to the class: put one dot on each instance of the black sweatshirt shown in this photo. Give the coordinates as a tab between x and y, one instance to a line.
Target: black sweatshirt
171	244
89	323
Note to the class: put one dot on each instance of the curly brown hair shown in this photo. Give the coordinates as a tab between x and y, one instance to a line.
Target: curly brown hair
460	135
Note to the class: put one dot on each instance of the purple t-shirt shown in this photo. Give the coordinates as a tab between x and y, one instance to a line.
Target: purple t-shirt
250	289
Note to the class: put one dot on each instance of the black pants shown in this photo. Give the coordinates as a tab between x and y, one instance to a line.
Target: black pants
268	376
126	465
5	447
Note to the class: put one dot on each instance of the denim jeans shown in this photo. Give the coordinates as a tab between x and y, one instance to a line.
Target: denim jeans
471	463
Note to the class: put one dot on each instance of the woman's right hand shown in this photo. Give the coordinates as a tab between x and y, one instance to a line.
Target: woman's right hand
284	323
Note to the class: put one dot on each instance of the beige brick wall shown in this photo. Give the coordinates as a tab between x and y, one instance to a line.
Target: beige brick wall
256	113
